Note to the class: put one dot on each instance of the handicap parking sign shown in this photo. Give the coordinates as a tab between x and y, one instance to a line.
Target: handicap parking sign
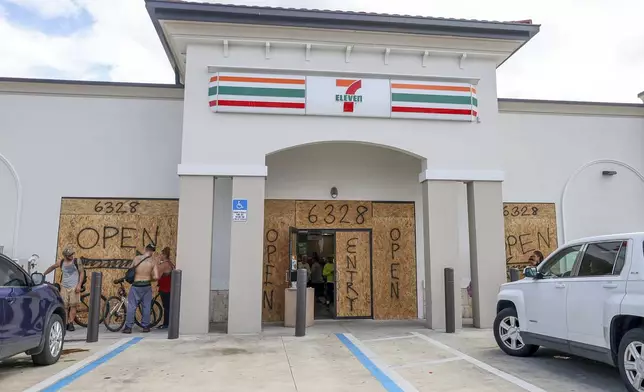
240	210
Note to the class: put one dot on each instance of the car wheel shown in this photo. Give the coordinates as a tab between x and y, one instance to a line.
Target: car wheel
508	335
631	359
54	336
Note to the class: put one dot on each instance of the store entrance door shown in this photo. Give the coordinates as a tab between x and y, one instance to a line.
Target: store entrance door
353	283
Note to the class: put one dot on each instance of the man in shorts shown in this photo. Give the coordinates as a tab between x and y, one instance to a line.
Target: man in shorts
72	276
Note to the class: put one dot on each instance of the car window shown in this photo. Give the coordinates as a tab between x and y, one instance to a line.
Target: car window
601	258
561	264
10	275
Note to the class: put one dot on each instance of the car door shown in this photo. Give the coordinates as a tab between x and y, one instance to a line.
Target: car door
595	295
23	316
545	298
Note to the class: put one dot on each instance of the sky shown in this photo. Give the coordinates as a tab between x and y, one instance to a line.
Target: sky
587	50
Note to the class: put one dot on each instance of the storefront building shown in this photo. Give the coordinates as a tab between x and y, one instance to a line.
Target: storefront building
376	138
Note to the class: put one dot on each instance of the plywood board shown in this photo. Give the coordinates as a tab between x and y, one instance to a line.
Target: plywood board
394	261
528	227
279	215
325	214
107	233
353	273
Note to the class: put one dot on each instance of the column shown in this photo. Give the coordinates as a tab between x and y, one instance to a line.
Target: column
487	253
246	254
441	241
194	250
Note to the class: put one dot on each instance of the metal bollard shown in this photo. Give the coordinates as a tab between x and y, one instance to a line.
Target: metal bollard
94	307
450	311
514	274
300	303
175	304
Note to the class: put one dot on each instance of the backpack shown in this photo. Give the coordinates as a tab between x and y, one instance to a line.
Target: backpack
131	272
77	270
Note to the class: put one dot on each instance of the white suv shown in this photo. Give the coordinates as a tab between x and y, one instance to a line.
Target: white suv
586	299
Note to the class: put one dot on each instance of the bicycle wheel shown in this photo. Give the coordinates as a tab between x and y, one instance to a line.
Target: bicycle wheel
82	310
155	310
115	313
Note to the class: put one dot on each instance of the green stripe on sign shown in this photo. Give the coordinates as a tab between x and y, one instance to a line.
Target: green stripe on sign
262	92
212	91
455	99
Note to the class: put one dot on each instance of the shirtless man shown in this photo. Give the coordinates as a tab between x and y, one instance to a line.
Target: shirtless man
141	290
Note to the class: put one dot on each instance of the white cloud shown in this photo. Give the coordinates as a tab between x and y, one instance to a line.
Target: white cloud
586	50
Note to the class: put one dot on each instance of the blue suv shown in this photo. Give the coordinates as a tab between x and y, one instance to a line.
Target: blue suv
31	315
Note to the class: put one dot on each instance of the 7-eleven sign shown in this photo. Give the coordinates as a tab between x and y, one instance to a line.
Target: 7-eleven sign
349	98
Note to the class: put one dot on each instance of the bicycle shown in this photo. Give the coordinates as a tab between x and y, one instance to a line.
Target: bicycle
116	310
82	309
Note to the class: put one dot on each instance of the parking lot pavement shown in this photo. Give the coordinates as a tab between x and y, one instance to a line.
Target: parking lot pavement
19	373
333	356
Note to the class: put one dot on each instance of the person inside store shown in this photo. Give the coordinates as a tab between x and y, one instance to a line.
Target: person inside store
165	268
146	271
329	276
317	280
535	258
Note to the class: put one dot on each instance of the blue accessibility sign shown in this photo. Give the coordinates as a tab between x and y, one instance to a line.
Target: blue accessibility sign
240	204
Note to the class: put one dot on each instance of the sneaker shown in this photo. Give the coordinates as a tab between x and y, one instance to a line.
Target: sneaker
71	328
145	330
162	327
127	330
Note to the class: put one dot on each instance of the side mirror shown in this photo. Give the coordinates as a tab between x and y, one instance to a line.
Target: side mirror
37	278
530	272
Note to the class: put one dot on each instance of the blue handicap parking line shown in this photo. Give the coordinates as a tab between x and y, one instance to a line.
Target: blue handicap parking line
91	366
375	371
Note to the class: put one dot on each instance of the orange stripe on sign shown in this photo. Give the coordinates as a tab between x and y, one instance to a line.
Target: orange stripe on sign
257	80
343	82
429	87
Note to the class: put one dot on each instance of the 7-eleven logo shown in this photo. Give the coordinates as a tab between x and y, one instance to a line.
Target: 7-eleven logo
349	97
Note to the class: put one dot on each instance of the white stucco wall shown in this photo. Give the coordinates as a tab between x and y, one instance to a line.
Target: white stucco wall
208	137
542	151
85	146
8	207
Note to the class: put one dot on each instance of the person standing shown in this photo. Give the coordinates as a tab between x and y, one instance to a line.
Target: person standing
165	270
316	278
329	274
72	278
145	271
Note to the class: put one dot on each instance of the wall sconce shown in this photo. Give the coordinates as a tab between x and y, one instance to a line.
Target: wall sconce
334	193
609	172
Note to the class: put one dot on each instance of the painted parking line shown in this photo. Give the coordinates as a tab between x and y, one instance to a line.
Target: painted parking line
67	376
389	338
482	365
388	378
427	363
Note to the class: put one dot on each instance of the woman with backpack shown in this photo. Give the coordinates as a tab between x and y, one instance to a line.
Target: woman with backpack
71	282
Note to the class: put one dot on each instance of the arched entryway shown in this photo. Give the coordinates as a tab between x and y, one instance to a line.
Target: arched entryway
352	207
10	200
603	197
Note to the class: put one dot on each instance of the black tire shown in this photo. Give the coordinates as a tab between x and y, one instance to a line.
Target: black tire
635	335
54	340
82	310
521	350
155	312
115	314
